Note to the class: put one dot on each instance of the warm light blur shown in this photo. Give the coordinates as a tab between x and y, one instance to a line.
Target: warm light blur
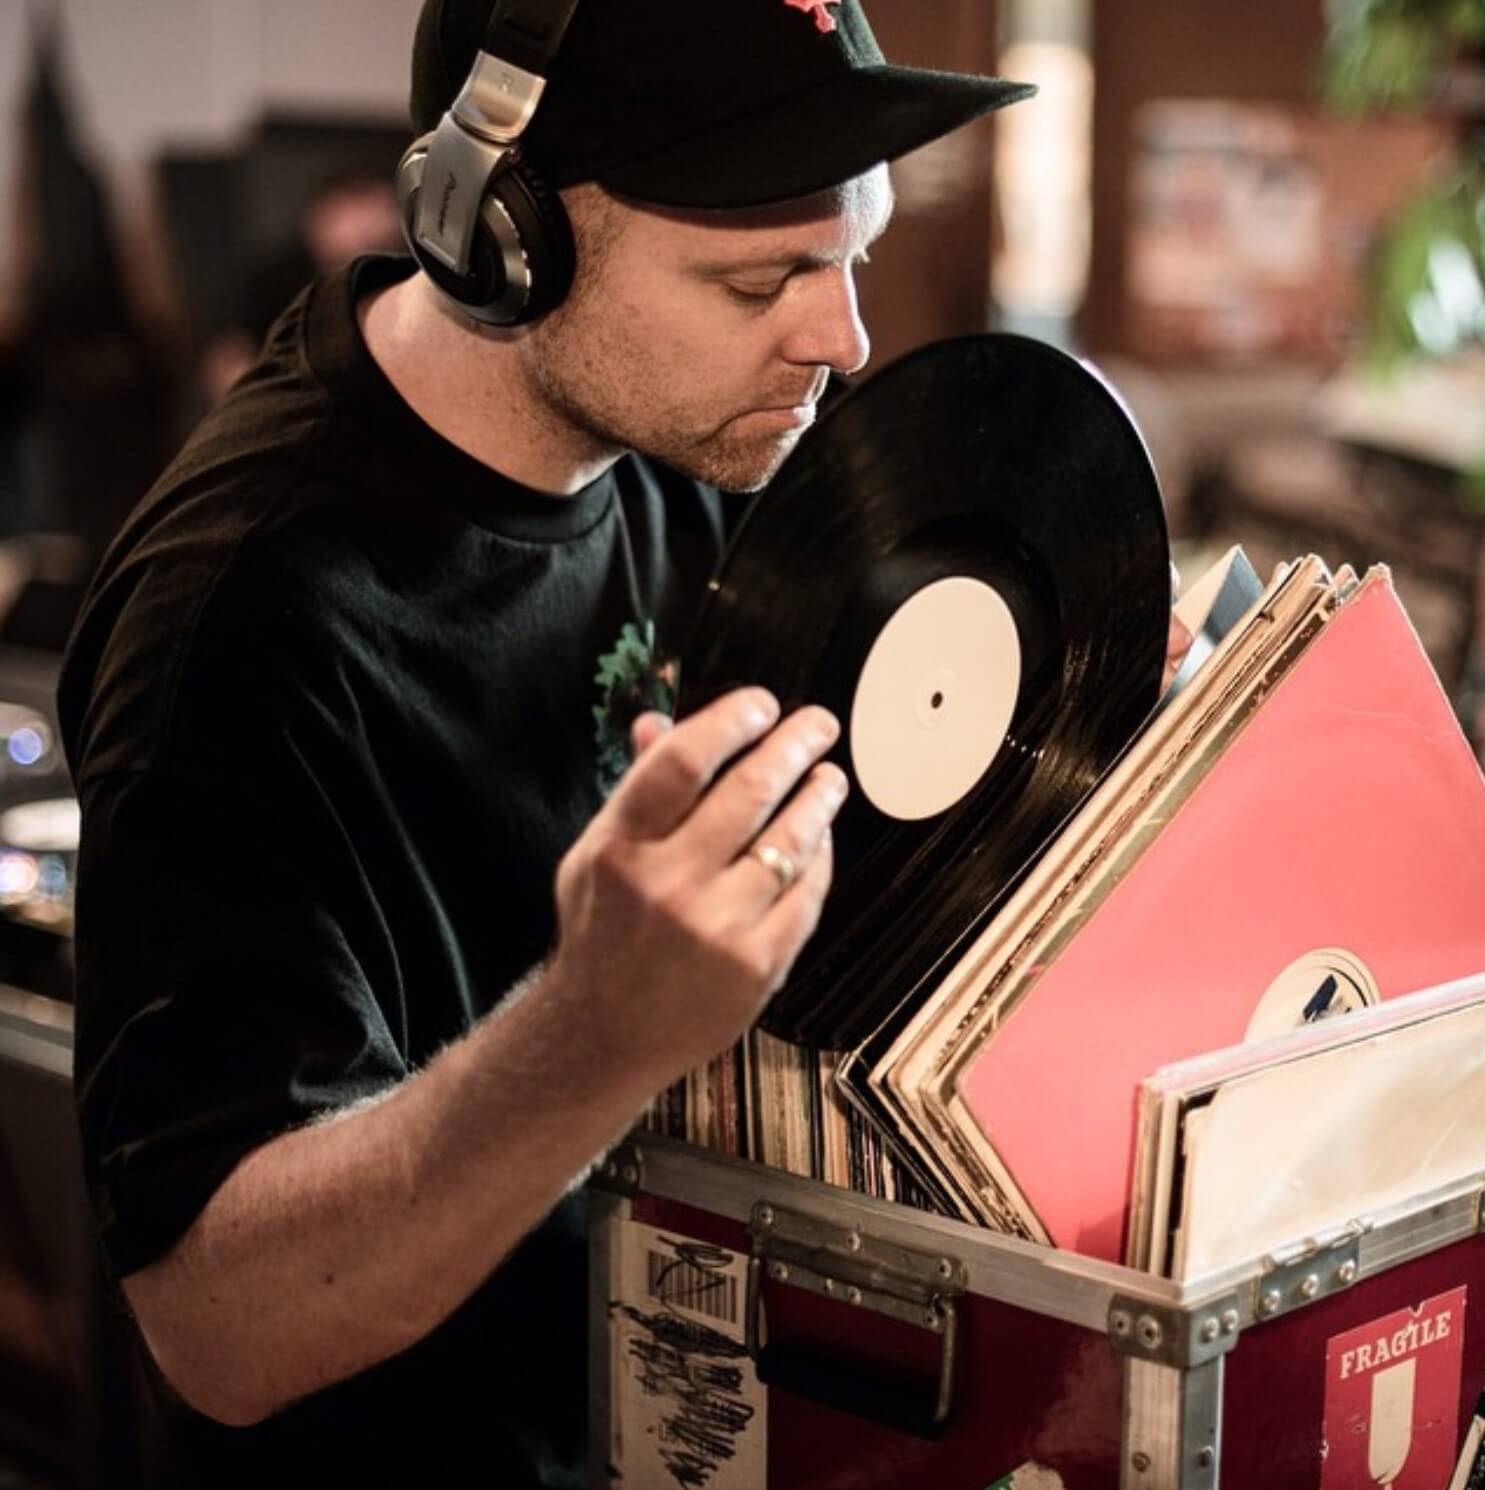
1043	171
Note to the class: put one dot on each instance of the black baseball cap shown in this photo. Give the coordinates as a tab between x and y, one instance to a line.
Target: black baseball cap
710	103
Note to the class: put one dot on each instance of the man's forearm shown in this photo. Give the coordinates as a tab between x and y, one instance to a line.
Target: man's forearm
338	1245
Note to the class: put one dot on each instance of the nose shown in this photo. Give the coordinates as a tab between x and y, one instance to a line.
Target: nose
827	330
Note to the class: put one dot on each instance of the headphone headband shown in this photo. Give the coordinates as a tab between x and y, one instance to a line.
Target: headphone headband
528	33
505	84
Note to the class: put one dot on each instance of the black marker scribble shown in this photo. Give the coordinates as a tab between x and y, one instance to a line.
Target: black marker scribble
699	1258
687	1364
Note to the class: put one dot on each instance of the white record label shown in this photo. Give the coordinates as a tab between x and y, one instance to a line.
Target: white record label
1319	985
935	698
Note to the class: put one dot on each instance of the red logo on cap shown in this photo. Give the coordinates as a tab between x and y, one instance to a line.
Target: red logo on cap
824	21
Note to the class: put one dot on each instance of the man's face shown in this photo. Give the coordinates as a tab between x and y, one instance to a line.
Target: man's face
704	339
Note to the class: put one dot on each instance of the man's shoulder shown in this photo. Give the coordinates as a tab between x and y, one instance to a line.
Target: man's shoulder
239	494
219	569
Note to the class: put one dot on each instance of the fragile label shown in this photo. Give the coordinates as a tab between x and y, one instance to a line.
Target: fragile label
1392	1398
1029	1477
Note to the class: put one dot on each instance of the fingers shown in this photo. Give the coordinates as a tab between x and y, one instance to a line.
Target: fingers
647	729
1177	645
698	796
678	765
735	811
782	932
749	885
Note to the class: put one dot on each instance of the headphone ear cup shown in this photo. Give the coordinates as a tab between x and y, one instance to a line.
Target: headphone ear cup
545	233
486	281
521	220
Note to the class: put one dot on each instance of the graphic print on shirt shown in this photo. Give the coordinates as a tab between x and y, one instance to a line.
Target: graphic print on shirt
632	679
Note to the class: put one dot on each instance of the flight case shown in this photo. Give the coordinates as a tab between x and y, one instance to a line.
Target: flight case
752	1329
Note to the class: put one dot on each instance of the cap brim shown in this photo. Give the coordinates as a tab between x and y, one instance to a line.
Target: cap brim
815	140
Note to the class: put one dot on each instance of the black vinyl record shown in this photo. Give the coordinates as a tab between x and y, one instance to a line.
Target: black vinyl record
967	562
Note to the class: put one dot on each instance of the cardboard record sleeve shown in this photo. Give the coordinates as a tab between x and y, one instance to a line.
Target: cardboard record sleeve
1327	799
889	1076
1244	1150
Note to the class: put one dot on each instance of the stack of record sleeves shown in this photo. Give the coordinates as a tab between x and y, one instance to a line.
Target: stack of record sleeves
1048	888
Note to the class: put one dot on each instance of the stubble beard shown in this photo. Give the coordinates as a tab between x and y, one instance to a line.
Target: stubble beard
574	371
576	399
739	466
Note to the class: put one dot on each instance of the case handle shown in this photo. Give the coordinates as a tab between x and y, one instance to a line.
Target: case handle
909	1403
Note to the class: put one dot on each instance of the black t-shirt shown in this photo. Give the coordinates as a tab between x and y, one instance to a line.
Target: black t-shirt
338	701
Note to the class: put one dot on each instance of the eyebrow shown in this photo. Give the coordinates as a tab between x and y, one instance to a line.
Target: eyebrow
778	263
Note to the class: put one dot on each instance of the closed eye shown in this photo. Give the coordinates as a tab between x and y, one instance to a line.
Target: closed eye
756	295
762	294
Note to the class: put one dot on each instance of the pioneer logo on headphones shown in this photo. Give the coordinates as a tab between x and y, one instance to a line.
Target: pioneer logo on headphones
449	188
824	21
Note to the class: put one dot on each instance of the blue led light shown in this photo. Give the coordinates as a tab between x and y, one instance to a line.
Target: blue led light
25	747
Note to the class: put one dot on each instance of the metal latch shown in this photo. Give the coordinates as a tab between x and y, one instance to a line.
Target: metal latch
1308	1272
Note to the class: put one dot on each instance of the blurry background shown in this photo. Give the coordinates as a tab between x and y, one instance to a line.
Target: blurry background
1264	222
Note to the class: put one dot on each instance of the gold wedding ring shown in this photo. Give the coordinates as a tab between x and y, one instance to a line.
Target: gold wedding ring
784	870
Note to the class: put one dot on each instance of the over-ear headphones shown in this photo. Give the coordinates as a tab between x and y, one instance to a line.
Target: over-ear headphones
477	216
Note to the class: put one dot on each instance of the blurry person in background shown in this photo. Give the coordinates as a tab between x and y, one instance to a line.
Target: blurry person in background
86	415
349	215
19	486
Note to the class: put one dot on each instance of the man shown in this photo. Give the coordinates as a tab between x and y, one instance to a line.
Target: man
341	1061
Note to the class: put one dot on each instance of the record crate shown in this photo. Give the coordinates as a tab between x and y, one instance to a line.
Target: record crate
752	1330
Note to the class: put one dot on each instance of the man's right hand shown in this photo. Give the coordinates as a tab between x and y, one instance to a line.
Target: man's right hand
671	939
671	934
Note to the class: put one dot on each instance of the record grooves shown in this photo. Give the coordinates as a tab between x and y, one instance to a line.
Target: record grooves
974	534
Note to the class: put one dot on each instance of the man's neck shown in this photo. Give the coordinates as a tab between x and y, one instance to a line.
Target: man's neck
473	389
